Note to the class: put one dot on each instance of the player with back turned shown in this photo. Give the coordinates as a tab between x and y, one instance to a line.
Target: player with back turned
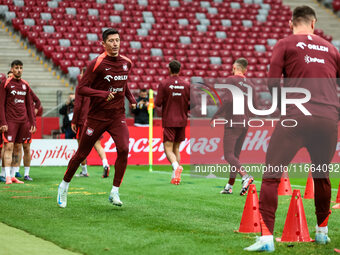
311	63
235	134
105	82
173	96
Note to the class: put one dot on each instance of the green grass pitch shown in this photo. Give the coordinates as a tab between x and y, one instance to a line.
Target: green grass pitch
156	218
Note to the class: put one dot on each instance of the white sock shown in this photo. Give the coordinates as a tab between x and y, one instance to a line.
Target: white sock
245	176
0	162
27	170
105	163
3	173
228	186
84	169
64	184
14	169
322	229
8	171
267	238
115	189
175	165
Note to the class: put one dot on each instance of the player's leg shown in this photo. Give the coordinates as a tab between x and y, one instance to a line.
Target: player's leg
2	174
176	151
321	147
229	141
27	159
120	134
179	137
93	130
246	178
16	159
83	165
100	150
283	145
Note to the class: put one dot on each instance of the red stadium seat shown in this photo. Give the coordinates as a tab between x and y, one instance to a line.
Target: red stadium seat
48	49
57	57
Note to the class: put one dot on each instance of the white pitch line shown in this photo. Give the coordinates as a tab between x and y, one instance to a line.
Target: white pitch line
221	178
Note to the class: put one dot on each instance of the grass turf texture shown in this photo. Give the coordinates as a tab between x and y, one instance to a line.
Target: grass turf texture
157	217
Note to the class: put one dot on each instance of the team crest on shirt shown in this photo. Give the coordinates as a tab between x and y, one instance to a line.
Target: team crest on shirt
89	131
125	67
23	86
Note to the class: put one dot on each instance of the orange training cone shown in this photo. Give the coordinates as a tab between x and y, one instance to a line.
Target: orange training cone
337	206
295	229
284	188
250	222
309	190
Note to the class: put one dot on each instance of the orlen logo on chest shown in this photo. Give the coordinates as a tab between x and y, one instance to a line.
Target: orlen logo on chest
19	93
116	77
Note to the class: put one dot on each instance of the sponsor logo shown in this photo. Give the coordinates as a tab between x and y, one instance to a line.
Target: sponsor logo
89	131
107	69
309	59
302	45
174	94
13	92
19	93
176	87
120	77
125	67
108	77
111	89
18	101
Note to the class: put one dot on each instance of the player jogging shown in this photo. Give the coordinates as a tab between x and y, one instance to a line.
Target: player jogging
300	56
173	96
105	82
81	108
15	110
234	135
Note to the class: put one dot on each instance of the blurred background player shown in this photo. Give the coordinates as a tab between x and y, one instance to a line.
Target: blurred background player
315	65
234	135
173	96
141	112
105	82
81	108
67	111
15	109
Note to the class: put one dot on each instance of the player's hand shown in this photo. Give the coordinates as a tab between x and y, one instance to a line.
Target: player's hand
111	96
133	106
33	129
4	128
74	127
36	111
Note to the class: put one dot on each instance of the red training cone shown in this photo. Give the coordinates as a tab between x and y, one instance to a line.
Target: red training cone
284	188
337	206
309	190
295	229
250	222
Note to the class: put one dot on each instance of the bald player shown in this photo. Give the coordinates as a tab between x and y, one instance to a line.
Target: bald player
105	82
313	64
235	134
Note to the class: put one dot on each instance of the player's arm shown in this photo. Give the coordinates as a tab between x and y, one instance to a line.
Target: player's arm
130	97
78	104
84	87
30	113
3	122
36	100
159	97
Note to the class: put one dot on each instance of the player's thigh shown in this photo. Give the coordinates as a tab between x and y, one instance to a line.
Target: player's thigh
283	146
11	134
229	141
92	131
240	140
120	135
169	134
179	134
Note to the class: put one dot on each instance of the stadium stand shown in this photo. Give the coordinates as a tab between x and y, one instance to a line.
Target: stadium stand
206	36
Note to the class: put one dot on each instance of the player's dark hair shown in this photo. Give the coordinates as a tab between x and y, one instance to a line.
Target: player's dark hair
16	62
9	72
109	31
304	14
175	66
242	62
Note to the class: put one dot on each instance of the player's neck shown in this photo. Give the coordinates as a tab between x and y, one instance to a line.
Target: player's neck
239	74
111	55
303	30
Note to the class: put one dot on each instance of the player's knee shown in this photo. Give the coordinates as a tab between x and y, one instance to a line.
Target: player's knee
123	151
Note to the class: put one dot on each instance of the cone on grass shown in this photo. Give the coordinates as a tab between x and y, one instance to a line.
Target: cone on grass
309	190
337	206
295	228
284	188
250	222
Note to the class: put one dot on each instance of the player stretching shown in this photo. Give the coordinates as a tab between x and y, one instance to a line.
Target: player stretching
81	108
105	82
234	135
15	110
173	96
303	55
